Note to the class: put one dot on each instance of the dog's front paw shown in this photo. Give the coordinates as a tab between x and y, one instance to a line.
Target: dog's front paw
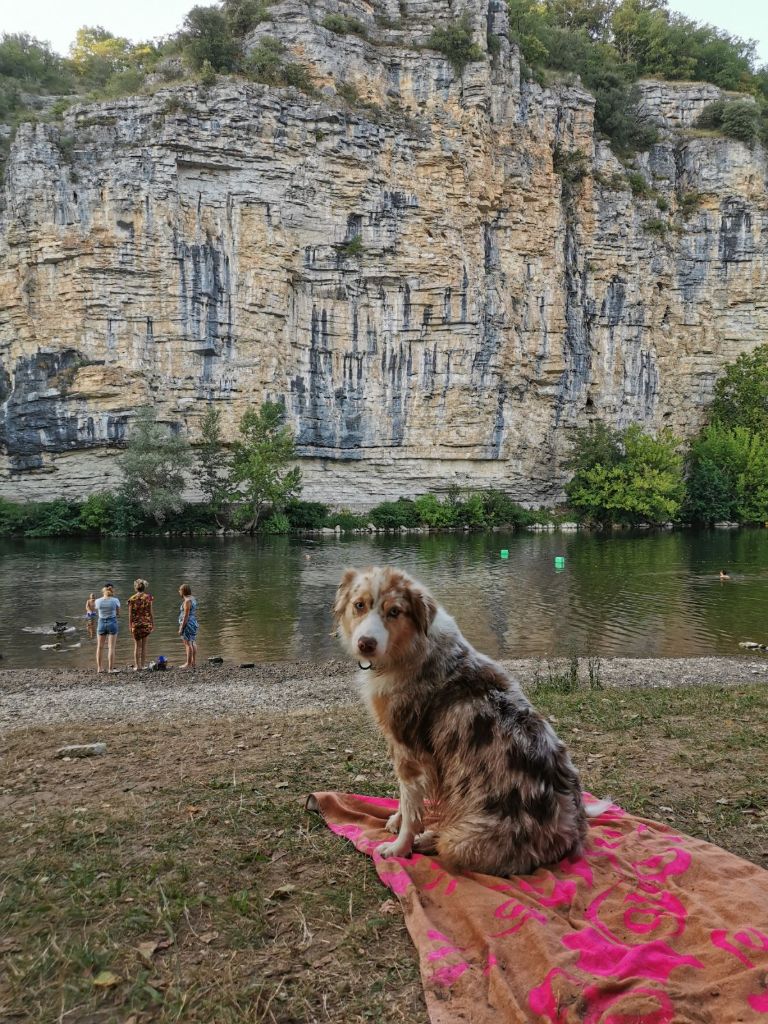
396	849
393	823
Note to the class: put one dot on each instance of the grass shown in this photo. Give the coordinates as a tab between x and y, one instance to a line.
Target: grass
179	878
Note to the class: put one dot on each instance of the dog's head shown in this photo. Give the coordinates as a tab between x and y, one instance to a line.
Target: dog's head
383	616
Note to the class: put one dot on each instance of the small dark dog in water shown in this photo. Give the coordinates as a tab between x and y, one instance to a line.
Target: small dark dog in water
502	789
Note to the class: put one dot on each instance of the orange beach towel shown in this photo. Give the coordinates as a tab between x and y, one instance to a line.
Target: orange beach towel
648	927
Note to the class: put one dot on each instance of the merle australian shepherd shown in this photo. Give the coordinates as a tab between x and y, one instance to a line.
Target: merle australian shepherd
503	796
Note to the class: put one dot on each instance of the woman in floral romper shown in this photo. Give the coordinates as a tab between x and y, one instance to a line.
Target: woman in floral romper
141	622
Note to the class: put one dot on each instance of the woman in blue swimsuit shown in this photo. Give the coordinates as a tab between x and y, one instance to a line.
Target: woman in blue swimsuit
188	624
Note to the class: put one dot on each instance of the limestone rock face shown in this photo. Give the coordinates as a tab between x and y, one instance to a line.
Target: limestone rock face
440	274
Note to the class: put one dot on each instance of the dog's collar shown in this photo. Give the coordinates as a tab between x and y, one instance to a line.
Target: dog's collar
365	668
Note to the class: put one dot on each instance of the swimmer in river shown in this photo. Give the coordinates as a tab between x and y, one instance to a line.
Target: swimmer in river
724	575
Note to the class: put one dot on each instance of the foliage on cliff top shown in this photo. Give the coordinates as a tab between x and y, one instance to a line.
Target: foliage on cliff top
612	43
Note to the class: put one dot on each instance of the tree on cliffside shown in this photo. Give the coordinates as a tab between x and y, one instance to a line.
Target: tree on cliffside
153	466
261	475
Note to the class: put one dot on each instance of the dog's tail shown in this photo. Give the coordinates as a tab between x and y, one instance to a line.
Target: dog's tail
597	807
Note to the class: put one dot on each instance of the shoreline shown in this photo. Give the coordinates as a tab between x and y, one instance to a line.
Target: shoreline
39	697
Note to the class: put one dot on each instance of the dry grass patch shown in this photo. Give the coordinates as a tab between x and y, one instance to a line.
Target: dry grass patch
180	879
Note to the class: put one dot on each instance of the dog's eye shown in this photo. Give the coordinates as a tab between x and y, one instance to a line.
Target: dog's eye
393	613
359	605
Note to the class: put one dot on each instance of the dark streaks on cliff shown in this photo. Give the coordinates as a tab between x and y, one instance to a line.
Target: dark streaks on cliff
579	314
35	417
736	243
205	296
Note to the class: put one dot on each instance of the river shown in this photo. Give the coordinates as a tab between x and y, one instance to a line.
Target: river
268	599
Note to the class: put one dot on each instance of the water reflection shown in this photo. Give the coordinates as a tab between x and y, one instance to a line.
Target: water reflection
269	599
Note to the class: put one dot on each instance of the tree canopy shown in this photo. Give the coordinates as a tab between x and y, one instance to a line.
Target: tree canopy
626	476
261	475
153	466
612	43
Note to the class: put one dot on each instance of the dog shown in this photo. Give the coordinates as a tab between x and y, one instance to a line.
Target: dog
463	737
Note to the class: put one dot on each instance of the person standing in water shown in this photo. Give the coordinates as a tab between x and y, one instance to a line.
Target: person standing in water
91	615
188	624
108	608
141	622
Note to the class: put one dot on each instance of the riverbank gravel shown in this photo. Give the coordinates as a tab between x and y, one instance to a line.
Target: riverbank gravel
35	697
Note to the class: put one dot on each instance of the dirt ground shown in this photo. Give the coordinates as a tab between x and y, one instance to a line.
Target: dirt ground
179	877
40	697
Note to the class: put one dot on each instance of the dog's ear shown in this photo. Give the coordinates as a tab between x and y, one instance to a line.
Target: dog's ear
423	607
343	592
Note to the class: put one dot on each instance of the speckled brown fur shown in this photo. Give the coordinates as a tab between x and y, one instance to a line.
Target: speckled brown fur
462	734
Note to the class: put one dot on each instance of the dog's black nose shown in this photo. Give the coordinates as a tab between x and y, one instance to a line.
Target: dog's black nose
366	645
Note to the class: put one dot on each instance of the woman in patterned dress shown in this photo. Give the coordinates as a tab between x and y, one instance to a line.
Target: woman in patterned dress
141	622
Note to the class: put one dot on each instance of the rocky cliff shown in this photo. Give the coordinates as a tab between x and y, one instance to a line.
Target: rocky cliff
440	273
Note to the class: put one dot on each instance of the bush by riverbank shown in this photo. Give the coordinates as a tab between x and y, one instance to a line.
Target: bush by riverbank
112	514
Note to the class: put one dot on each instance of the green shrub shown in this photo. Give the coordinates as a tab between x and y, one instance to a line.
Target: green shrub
655	226
435	513
298	76
306	515
572	165
712	115
244	15
109	513
52	519
352	247
277	523
207	73
689	203
97	513
207	40
728	475
58	109
638	480
347	520
738	119
662	204
13	518
265	64
741	394
196	517
348	92
639	185
471	511
390	515
343	25
741	120
455	42
500	510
